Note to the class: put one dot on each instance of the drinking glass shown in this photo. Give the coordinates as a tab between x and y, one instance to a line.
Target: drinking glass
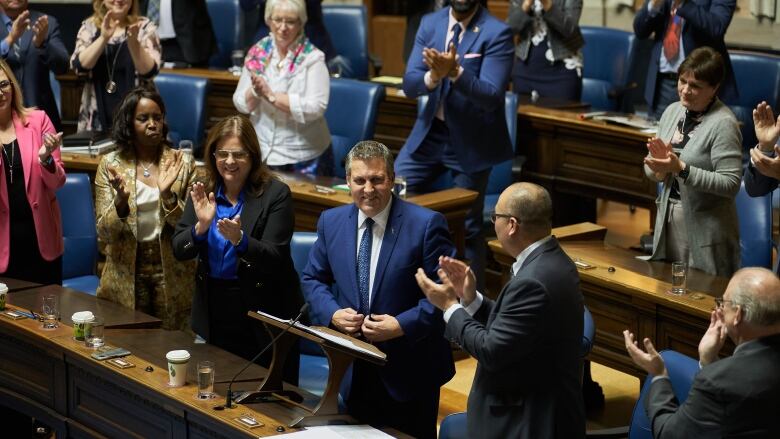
237	58
679	271
205	379
93	333
50	311
399	186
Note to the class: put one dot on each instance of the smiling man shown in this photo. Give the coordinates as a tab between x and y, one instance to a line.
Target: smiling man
30	43
360	281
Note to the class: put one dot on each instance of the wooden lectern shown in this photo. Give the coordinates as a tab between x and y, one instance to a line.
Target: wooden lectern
340	349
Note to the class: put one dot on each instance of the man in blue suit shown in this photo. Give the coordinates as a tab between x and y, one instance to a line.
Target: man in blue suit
360	281
462	59
31	44
678	27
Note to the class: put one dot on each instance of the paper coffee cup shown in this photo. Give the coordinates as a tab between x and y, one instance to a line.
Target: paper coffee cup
3	295
80	320
177	367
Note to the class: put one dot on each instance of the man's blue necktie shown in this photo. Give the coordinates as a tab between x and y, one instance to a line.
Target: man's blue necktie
364	266
446	84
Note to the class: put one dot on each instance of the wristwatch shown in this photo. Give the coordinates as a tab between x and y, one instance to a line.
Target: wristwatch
684	172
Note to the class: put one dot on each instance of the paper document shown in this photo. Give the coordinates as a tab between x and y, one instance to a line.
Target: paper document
631	120
339	432
336	339
388	80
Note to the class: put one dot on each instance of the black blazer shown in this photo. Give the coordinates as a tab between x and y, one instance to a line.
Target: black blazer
31	66
527	344
737	396
192	24
266	272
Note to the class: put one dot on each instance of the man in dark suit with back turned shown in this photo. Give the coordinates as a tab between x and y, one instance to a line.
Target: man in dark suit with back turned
184	27
528	340
31	44
462	59
736	396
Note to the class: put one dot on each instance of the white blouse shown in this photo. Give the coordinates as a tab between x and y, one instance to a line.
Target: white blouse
147	202
300	136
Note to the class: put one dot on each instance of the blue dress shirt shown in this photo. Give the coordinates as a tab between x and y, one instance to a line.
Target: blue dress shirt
223	255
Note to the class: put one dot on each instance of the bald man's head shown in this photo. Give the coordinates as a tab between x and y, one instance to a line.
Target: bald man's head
531	205
757	292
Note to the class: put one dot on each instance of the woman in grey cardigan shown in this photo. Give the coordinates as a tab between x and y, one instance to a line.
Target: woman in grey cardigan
698	156
548	58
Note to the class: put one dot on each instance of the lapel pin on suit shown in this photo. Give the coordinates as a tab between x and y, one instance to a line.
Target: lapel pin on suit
475	29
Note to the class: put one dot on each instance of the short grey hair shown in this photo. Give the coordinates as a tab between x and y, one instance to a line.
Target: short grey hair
756	291
368	150
531	205
297	6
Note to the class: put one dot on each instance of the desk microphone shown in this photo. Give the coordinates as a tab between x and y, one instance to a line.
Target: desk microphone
229	400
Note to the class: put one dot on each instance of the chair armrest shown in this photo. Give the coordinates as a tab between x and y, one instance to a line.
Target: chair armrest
517	165
608	433
617	92
376	62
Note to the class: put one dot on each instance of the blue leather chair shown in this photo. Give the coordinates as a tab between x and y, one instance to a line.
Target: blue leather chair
755	228
501	176
608	56
185	102
351	116
313	370
348	29
79	233
228	19
758	78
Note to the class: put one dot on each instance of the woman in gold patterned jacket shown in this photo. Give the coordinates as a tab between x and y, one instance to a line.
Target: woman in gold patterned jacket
141	189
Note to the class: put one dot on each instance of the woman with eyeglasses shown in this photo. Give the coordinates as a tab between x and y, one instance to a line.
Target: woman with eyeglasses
117	49
239	227
284	88
140	190
31	171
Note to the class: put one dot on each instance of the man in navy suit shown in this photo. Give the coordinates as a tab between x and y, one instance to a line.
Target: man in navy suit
360	281
30	43
678	27
462	59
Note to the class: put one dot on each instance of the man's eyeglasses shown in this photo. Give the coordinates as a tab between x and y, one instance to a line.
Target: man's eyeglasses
719	301
238	156
289	22
494	215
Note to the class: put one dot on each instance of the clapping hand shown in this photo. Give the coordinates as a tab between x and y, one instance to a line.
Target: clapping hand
662	159
169	172
50	143
460	276
109	25
132	33
650	361
767	128
40	30
20	25
260	86
442	295
205	207
440	63
230	229
117	181
713	339
769	166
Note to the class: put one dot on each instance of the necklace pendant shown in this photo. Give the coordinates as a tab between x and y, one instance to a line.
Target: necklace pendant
147	174
111	87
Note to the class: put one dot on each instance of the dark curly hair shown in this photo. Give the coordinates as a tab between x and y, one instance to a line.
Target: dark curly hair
123	130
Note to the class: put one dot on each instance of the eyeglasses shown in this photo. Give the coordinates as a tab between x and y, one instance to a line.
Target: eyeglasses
719	301
239	156
290	22
5	86
494	216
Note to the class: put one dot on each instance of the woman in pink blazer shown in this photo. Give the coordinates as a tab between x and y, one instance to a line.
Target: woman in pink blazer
30	172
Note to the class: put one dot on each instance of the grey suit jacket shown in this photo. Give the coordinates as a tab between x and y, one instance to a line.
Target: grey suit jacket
527	343
563	24
737	396
714	156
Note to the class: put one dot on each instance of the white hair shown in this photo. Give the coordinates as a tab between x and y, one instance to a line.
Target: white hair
297	6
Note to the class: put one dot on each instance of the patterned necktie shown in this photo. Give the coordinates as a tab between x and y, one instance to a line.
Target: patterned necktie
364	266
153	11
456	29
672	37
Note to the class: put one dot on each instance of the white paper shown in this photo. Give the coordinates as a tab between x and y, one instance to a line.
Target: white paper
339	432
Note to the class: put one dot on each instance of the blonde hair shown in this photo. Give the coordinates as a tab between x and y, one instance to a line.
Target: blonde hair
99	12
17	99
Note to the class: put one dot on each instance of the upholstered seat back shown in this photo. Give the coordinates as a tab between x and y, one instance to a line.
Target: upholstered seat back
608	55
185	104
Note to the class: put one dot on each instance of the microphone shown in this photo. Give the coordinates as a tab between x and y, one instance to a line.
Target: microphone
229	399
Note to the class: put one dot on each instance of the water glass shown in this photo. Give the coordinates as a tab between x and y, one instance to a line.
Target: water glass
94	334
50	311
205	379
237	58
679	272
399	187
185	146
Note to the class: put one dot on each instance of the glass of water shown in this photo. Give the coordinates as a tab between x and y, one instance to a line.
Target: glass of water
399	186
237	58
679	272
93	333
50	311
205	379
185	146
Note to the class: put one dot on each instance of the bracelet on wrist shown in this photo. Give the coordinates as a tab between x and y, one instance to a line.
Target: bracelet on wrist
240	238
49	160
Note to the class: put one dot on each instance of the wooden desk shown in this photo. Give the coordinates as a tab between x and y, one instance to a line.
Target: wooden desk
309	202
17	285
634	296
71	301
48	375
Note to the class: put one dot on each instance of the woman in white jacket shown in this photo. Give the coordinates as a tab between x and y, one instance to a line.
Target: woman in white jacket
284	87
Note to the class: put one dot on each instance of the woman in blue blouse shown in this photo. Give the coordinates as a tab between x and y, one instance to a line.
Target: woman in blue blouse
239	227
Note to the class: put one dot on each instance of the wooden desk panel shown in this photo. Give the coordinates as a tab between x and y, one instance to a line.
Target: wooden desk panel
634	296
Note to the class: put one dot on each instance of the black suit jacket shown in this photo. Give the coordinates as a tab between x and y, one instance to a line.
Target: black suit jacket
31	66
758	185
192	24
737	396
527	343
266	273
